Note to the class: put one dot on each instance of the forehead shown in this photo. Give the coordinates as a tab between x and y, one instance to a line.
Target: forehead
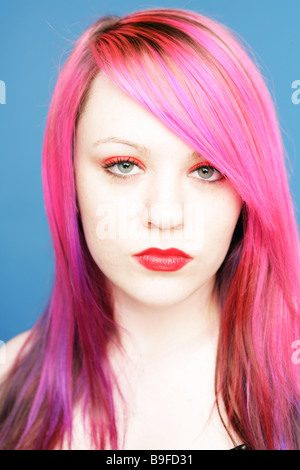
110	112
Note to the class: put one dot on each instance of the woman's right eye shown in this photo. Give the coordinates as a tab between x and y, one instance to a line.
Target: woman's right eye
122	166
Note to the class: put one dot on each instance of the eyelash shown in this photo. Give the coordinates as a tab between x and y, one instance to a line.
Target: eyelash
112	162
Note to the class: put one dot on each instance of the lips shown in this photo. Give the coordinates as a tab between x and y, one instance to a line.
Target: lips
156	259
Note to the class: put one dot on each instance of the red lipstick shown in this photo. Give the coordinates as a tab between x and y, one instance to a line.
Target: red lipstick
156	259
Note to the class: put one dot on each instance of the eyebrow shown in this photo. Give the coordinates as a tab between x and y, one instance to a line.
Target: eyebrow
140	148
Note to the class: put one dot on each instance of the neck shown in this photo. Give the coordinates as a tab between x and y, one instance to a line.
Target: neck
148	332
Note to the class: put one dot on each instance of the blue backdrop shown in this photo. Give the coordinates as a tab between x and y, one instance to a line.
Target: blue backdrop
34	40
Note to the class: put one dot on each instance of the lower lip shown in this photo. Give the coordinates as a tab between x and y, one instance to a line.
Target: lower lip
162	263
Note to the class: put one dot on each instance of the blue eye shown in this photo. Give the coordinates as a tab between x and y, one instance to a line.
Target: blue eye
123	165
207	172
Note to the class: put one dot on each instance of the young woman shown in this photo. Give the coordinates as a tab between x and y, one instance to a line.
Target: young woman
175	303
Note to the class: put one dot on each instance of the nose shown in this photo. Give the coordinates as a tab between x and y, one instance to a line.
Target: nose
164	205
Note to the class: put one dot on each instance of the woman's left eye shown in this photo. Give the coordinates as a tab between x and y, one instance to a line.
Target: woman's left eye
207	172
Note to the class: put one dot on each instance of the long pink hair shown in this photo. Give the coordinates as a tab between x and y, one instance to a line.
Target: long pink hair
197	78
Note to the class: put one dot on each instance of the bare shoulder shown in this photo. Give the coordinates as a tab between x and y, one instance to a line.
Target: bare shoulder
9	352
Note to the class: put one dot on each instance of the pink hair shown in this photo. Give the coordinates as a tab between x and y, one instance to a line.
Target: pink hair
193	74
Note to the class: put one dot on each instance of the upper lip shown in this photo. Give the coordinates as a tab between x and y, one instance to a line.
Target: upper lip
168	252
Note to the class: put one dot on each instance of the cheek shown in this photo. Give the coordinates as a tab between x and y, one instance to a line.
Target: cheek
221	222
103	246
100	216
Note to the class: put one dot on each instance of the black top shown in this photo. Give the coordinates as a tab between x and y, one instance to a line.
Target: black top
241	447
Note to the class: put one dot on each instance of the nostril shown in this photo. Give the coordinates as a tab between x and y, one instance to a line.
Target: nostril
165	216
169	226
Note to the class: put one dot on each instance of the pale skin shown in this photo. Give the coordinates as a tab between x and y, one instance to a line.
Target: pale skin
166	373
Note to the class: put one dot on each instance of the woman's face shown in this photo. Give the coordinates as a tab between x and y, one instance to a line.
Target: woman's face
162	196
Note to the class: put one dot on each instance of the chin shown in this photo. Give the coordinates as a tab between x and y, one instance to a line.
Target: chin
159	295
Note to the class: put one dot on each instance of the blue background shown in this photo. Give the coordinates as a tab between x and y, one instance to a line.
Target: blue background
34	40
